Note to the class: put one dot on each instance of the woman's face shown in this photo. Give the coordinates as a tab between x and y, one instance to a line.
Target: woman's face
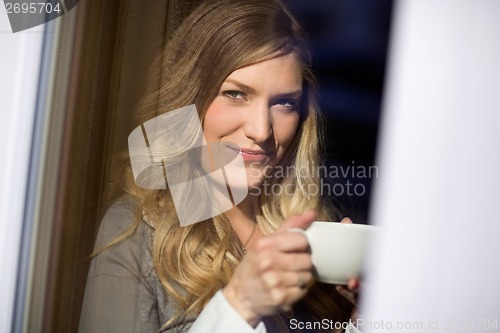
257	108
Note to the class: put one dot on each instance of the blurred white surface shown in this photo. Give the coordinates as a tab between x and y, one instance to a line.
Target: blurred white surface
436	266
19	67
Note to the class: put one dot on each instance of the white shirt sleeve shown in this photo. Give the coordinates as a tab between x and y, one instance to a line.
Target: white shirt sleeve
218	316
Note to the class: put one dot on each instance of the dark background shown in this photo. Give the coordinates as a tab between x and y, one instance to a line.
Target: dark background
350	43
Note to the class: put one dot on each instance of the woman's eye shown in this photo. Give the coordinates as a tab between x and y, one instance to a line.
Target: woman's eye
288	104
234	94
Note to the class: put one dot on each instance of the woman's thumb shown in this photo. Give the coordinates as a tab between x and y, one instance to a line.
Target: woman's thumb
299	221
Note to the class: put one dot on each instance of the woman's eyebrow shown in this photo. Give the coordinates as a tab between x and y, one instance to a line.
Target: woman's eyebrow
243	87
294	94
249	90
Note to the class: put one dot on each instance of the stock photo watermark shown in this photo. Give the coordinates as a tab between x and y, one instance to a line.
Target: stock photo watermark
429	325
26	14
333	180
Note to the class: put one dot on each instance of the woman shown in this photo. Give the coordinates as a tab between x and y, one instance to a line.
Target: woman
244	64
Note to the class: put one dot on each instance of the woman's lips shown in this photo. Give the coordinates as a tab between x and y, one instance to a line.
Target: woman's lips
253	155
250	155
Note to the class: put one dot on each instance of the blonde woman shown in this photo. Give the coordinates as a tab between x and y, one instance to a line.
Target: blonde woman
244	64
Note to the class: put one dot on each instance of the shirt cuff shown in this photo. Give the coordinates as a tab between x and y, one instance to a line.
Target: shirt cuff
218	316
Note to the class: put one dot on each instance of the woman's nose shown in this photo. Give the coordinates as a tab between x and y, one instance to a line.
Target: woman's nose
258	124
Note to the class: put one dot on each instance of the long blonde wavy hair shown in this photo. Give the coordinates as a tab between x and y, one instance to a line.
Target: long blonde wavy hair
195	261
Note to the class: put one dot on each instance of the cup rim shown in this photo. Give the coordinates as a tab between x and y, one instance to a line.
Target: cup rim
354	226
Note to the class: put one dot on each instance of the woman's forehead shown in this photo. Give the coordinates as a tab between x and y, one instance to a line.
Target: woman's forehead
284	72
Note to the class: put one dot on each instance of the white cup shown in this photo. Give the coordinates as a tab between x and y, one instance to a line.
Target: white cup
338	250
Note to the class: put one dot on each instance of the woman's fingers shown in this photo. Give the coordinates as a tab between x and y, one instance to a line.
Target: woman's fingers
282	262
287	288
346	220
283	242
353	284
287	280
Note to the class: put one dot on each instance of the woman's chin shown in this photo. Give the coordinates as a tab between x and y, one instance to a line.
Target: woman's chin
248	184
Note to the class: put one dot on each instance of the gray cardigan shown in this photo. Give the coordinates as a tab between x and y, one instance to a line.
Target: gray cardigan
123	293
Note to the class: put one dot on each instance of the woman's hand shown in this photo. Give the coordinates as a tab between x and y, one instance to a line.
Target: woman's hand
274	274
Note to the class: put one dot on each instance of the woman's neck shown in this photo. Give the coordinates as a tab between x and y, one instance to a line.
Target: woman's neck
243	221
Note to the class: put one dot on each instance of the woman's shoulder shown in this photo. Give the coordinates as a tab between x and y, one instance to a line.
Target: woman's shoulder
122	218
124	239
